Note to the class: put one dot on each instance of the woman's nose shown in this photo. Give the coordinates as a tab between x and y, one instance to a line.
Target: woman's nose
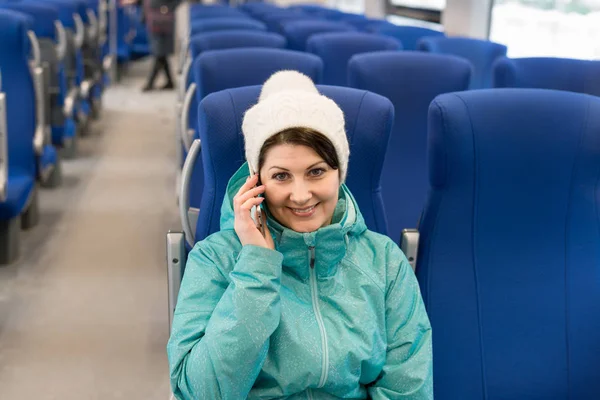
301	193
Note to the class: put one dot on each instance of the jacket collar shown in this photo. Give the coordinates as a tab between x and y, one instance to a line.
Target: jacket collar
329	243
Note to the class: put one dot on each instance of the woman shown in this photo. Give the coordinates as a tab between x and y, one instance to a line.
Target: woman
317	308
160	22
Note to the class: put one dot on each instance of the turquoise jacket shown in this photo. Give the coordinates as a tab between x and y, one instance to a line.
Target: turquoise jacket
335	313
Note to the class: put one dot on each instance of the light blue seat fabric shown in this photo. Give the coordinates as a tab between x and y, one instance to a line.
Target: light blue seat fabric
409	36
336	49
214	71
368	119
411	80
509	256
481	53
17	84
220	24
298	32
580	76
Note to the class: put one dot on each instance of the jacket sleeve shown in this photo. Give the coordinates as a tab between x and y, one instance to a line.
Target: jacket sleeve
221	328
408	371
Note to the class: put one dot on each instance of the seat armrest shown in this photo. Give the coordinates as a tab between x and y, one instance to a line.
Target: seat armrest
176	259
409	244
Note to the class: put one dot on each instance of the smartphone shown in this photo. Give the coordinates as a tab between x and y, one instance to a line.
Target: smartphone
256	212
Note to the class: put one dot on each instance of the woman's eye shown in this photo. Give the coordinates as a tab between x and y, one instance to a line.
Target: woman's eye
316	172
281	176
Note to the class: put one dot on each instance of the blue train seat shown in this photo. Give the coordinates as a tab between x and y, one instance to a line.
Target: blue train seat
199	11
509	254
219	70
336	49
298	32
214	41
368	119
19	206
409	36
580	76
220	24
411	80
481	53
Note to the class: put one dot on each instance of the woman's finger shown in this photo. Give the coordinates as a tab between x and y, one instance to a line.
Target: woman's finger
250	194
250	183
251	202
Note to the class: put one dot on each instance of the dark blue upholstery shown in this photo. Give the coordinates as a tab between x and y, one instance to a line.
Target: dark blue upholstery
275	22
481	53
411	80
336	49
220	24
509	259
219	70
43	17
65	8
17	84
234	39
407	35
368	124
581	76
198	11
298	32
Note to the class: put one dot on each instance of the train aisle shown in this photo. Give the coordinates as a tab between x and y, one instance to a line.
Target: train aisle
83	314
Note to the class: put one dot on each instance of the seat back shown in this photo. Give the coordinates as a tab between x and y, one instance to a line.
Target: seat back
336	49
199	11
580	76
409	36
481	53
368	125
43	17
219	70
220	24
298	32
411	80
509	257
234	39
17	84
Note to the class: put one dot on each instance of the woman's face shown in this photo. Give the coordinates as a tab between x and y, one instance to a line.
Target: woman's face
301	190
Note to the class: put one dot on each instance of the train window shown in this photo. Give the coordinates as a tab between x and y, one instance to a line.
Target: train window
423	10
547	28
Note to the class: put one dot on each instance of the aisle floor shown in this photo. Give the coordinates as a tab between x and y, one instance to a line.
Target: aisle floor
83	313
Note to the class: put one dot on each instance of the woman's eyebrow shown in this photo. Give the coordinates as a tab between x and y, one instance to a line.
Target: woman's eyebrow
285	169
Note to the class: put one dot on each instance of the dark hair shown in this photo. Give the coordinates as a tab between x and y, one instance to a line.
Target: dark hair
302	137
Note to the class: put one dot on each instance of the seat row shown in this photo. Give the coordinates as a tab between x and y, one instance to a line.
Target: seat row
411	80
501	183
52	66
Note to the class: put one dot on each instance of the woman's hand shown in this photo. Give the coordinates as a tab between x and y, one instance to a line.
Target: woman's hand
244	225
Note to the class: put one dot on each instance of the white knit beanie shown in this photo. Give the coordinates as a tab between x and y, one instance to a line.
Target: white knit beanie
289	99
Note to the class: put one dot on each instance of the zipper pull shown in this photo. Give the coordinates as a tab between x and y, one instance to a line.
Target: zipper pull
312	256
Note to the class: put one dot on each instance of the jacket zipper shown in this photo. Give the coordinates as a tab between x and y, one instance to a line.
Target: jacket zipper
315	301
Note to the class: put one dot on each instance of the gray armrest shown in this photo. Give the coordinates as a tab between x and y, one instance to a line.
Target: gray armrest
185	71
37	72
184	194
409	244
3	147
176	259
93	25
79	31
186	135
61	39
70	100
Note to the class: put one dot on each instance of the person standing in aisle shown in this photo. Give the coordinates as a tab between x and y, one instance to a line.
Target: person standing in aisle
160	21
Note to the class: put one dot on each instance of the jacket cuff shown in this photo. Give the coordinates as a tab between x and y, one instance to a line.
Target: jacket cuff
253	258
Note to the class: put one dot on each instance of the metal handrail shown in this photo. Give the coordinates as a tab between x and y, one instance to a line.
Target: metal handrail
185	113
